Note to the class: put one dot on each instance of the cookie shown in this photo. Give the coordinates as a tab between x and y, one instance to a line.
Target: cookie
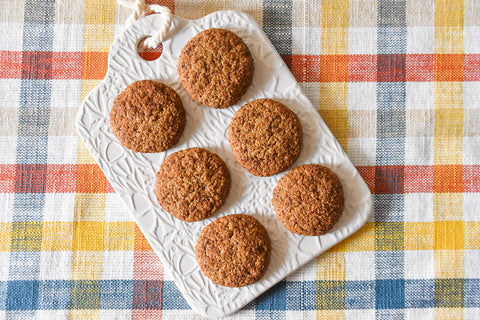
266	137
234	251
148	116
216	68
192	184
309	200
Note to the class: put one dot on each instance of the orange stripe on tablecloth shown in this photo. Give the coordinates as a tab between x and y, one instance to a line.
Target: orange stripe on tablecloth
427	179
449	67
60	178
418	179
11	64
67	65
88	178
94	65
141	243
64	65
7	178
448	178
471	69
420	67
363	68
306	68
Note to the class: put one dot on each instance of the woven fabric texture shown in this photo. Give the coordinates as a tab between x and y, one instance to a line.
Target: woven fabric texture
397	82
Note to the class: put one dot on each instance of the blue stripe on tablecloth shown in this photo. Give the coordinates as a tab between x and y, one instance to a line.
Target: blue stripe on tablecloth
389	207
277	24
472	293
174	299
360	294
112	289
23	295
301	295
274	299
34	116
419	293
149	295
54	295
118	294
389	257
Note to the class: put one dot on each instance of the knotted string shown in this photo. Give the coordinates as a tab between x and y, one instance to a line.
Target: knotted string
140	9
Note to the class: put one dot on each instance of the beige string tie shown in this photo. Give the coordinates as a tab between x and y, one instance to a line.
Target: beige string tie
140	9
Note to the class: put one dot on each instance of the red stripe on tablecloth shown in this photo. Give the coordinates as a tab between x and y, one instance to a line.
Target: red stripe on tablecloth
88	178
305	68
419	179
10	64
60	178
41	65
363	68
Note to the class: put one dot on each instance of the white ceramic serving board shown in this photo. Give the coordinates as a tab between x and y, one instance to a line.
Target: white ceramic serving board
133	174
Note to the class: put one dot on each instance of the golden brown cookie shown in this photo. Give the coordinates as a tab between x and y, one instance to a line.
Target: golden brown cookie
148	116
216	68
309	200
266	137
234	251
192	184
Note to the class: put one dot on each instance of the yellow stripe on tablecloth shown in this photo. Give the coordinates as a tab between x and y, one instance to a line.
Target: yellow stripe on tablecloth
334	109
57	236
362	240
67	235
89	214
449	235
448	145
449	17
438	235
88	236
84	314
449	313
449	119
120	236
448	206
331	266
335	19
449	264
189	9
419	235
331	314
114	236
5	236
99	25
89	206
471	231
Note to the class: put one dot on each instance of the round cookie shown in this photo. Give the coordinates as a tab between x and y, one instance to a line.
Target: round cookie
309	200
216	68
234	251
266	137
148	116
192	184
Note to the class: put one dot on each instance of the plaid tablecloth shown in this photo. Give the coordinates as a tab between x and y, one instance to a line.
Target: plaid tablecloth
398	83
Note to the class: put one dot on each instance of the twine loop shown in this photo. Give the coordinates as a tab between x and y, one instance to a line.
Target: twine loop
141	9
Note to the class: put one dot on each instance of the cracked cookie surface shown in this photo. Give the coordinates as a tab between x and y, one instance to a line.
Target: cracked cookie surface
234	250
266	137
216	68
148	116
309	200
192	184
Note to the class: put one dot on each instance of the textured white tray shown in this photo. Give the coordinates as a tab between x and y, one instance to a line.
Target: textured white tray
133	174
